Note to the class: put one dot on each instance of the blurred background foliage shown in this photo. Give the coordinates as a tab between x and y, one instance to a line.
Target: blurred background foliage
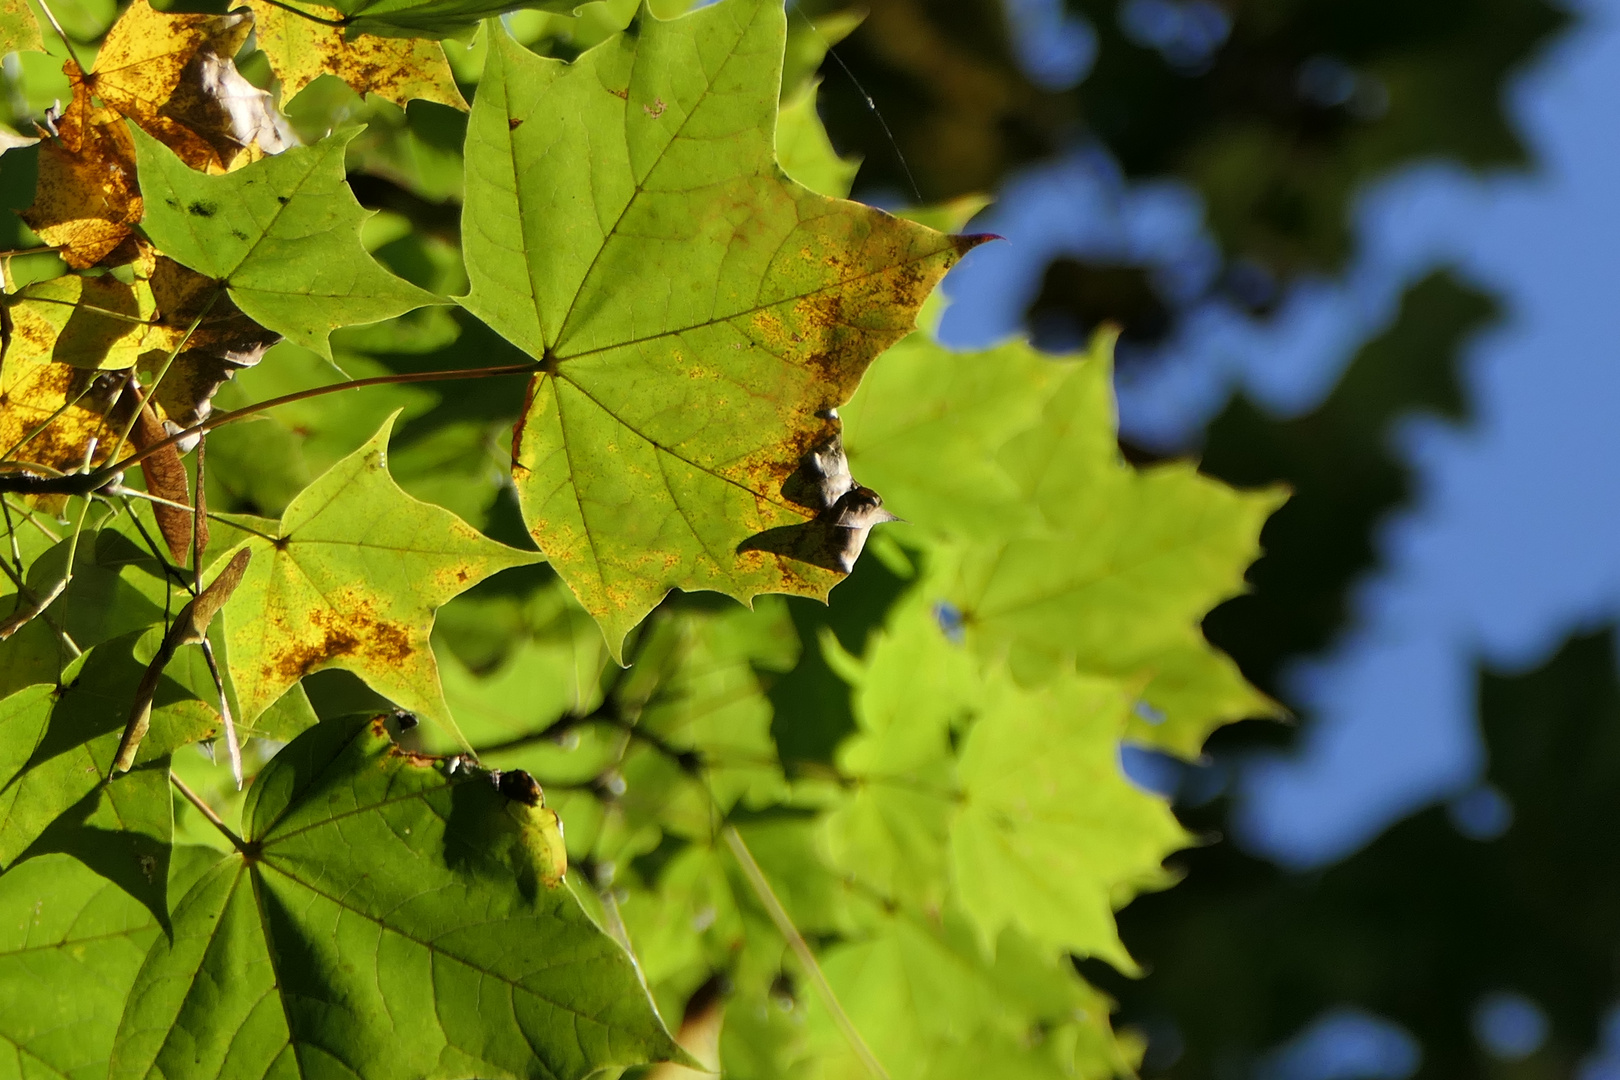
1475	939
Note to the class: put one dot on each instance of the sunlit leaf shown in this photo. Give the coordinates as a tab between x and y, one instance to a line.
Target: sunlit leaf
87	201
698	314
283	234
1051	551
174	76
930	1006
19	30
350	578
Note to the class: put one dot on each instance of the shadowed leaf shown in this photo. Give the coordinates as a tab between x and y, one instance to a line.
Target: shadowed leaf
391	921
70	946
78	730
72	337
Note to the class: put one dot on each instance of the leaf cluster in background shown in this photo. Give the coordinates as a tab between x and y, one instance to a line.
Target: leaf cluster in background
462	409
1274	112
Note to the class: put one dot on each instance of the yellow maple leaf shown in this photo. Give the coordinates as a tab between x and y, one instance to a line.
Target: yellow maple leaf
301	50
87	199
174	76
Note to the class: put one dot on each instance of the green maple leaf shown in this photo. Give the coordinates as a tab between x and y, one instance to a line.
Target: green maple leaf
930	1005
1050	837
282	234
390	918
117	586
891	829
350	577
59	745
70	945
697	314
1060	556
1029	824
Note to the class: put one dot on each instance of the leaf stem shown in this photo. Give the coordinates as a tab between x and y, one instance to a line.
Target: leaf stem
339	23
66	44
246	411
208	812
801	949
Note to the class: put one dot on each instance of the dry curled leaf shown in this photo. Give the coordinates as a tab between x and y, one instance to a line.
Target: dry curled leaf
301	50
166	478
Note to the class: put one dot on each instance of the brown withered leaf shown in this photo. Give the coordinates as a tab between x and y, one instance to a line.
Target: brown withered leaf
165	476
87	199
174	76
301	50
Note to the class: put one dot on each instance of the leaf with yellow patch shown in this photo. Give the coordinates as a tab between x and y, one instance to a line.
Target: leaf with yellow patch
698	314
398	69
351	578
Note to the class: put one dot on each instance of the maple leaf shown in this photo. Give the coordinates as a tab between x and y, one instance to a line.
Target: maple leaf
300	50
171	74
699	315
350	578
934	1007
1055	553
423	18
61	740
282	234
70	946
379	885
87	202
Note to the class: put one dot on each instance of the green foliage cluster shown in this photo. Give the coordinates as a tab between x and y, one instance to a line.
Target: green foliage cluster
602	355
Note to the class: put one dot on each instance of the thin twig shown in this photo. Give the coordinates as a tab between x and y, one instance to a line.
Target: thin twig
66	44
801	949
339	23
208	812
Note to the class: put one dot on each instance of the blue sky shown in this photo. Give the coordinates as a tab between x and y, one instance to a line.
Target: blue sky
1514	538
